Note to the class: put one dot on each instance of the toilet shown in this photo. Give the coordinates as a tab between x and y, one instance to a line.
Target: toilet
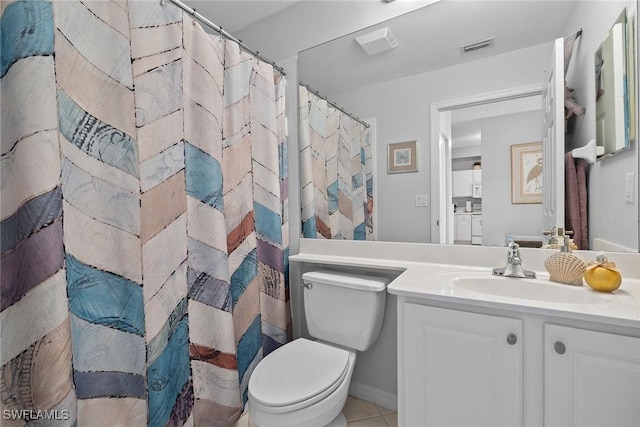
306	382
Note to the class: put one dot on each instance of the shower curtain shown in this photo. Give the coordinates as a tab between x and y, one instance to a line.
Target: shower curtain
336	172
143	216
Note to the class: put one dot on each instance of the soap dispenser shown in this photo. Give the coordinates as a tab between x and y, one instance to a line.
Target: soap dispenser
602	274
564	266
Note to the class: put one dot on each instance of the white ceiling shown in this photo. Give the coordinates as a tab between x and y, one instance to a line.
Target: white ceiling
466	123
235	15
430	38
466	134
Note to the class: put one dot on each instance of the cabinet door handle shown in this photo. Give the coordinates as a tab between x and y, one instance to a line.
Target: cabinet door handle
559	347
512	339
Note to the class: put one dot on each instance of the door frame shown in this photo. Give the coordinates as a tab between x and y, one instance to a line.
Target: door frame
440	176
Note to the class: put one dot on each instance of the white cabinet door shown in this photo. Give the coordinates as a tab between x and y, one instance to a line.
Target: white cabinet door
591	378
459	368
462	228
462	183
476	229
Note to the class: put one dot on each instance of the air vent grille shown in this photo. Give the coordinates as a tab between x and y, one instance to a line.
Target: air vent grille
377	41
480	44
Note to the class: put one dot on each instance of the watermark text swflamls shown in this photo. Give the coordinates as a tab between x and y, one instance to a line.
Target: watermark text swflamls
35	414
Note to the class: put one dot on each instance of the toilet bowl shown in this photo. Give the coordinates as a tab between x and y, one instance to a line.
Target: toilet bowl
305	383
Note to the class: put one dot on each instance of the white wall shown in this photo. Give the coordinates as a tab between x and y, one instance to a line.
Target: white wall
375	376
499	216
401	108
610	217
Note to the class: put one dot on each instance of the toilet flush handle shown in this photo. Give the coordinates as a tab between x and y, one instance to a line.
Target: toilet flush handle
307	285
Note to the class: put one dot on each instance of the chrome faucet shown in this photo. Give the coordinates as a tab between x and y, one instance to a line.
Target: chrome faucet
514	264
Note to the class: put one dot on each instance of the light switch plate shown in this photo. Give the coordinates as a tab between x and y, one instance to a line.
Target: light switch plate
422	200
628	187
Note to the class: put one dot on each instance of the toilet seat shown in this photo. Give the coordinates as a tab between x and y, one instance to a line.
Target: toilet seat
298	375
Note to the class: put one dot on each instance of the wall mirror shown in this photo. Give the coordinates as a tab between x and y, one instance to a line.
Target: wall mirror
430	66
614	77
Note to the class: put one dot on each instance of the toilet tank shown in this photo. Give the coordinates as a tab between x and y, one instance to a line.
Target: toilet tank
343	308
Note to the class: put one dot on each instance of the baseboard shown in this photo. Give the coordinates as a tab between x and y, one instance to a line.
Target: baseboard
370	394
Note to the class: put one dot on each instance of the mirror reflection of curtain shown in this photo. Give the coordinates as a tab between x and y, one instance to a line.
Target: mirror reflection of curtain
571	106
143	237
575	193
336	172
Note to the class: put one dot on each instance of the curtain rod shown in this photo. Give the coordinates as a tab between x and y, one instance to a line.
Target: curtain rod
219	30
333	104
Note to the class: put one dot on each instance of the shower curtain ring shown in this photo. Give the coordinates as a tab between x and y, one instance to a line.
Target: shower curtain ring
193	16
161	2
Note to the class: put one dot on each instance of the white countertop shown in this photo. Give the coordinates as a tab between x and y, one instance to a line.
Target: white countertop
418	279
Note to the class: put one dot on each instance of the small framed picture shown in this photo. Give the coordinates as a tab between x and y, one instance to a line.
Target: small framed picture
402	157
526	173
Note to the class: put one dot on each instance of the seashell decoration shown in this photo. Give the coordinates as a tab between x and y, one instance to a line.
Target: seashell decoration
564	267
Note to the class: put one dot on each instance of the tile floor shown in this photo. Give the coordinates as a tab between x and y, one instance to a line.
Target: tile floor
359	413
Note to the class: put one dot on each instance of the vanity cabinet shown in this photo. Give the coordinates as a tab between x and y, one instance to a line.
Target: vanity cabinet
459	367
591	378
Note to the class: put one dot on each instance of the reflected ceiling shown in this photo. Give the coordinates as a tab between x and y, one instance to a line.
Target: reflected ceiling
430	38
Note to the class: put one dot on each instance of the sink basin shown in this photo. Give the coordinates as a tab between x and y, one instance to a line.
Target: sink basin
529	289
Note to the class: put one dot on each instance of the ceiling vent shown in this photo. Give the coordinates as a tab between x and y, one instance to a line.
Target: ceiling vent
377	41
480	44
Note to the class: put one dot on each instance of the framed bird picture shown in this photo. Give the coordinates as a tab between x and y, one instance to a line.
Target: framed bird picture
526	173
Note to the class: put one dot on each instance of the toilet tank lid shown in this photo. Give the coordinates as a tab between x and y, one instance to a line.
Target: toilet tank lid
363	282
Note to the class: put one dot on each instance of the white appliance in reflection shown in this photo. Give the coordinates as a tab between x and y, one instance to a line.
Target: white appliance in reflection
476	229
476	190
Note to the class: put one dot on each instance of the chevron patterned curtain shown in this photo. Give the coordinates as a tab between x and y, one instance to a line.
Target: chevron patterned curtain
336	171
143	216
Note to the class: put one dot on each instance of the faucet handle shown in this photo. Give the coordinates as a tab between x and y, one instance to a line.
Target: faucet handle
513	254
556	235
